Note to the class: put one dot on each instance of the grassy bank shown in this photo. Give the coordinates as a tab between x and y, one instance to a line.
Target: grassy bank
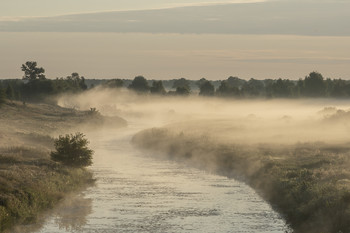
30	181
309	184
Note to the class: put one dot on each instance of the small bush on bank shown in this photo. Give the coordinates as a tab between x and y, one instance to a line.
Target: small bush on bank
72	150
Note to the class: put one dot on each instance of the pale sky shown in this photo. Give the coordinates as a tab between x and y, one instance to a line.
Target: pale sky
272	39
35	8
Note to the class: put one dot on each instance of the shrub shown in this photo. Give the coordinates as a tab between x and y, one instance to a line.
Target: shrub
72	150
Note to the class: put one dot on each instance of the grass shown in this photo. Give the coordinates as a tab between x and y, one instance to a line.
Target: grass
29	185
308	183
30	181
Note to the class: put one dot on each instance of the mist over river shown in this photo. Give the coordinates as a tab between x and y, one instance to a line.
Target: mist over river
138	193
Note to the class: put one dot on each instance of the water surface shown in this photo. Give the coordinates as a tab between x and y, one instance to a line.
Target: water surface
137	193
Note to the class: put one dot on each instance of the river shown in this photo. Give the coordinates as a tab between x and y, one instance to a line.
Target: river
137	193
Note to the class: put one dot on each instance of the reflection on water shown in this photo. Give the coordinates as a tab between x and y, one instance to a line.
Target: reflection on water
69	216
137	193
72	214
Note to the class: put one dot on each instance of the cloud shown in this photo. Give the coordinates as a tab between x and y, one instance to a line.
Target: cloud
274	17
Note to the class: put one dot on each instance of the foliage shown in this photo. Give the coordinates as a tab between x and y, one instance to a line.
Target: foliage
182	83
253	88
38	87
139	84
157	88
73	83
225	89
114	83
28	186
2	94
314	85
182	91
206	89
32	72
10	94
72	150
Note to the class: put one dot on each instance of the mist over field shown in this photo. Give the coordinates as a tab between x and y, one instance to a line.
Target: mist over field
175	116
248	121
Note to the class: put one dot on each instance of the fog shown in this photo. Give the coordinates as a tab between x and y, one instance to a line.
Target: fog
280	121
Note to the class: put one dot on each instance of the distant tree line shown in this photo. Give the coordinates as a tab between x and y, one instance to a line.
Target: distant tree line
34	86
313	85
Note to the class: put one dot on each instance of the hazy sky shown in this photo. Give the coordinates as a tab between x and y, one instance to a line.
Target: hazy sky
33	8
272	39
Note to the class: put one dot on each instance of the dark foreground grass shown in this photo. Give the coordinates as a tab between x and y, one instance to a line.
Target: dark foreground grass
309	184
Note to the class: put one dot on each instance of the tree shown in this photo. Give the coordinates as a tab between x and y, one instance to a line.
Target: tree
314	85
182	91
32	72
225	89
157	88
114	83
139	84
183	83
72	150
206	89
235	82
2	94
10	92
201	82
253	88
282	88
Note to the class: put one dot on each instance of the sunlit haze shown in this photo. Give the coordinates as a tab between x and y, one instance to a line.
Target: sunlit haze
173	39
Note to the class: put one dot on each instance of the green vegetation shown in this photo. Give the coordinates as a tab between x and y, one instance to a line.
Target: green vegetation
139	84
313	85
206	89
32	72
2	95
308	183
157	88
72	150
35	87
30	181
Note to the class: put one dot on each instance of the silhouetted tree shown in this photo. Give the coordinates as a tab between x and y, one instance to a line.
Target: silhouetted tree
157	88
76	82
201	81
32	72
2	94
182	82
114	83
227	90
253	88
10	92
182	91
206	89
139	84
282	88
72	150
314	85
338	88
235	82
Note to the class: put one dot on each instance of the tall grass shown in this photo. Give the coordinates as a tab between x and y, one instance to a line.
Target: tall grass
28	186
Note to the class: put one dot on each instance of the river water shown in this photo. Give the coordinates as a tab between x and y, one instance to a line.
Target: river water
137	193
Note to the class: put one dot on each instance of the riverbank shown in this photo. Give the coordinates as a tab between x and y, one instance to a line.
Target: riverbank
29	181
308	183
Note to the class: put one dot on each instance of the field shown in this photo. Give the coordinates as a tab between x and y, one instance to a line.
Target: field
29	181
